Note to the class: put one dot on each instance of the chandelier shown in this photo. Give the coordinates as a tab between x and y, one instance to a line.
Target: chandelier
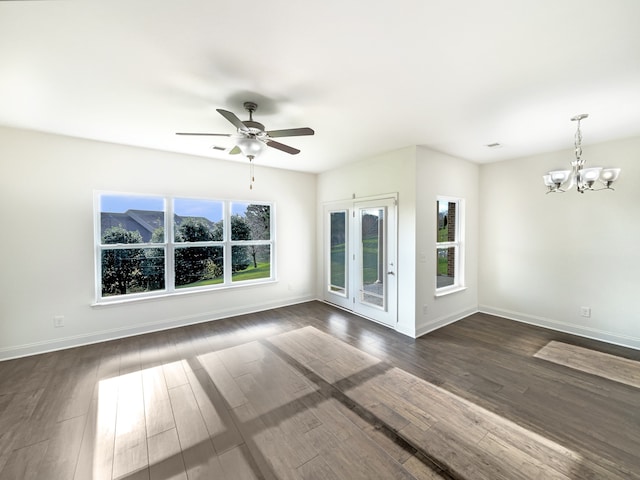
583	178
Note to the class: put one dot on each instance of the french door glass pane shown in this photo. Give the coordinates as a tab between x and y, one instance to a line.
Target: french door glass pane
132	270
338	262
198	266
372	260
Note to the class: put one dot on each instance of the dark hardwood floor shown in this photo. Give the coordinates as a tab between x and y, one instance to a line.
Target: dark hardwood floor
310	391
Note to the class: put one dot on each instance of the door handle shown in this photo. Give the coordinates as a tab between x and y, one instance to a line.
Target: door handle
390	273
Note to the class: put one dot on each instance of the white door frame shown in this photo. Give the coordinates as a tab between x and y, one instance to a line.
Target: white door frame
352	297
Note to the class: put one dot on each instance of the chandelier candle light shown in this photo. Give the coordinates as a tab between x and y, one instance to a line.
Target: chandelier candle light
583	178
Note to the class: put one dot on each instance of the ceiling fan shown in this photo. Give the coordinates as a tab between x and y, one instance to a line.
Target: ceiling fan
251	136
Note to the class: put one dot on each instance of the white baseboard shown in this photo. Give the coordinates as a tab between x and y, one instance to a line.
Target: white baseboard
36	348
582	331
443	321
409	332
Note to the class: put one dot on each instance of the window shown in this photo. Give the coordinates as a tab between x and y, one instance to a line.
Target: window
338	252
250	241
449	251
198	237
152	245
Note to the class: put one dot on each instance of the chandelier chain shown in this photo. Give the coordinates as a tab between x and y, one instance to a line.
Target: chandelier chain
578	143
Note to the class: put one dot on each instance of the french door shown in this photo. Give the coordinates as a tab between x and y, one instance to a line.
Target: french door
360	258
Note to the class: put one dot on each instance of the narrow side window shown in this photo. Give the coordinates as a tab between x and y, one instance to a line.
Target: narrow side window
449	244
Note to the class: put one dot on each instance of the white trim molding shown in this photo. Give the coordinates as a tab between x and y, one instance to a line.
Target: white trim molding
425	328
36	348
592	333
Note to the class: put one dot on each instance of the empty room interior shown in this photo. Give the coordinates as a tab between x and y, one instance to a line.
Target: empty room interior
339	240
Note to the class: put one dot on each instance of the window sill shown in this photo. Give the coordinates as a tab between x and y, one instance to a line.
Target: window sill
449	290
174	294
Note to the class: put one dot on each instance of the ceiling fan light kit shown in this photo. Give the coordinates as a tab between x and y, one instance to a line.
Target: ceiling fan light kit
251	136
559	181
250	146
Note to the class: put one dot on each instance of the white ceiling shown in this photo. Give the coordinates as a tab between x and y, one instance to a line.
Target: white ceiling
369	77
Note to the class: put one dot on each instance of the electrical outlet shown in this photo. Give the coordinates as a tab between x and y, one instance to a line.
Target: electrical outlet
585	311
58	321
424	309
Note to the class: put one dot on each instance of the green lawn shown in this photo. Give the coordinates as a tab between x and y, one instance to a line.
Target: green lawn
442	266
263	270
337	265
200	283
443	236
369	262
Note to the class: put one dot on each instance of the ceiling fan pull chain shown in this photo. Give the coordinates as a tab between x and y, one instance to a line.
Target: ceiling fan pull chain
251	177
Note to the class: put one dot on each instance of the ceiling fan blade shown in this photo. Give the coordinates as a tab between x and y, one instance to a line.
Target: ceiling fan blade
235	150
291	132
230	116
205	134
283	147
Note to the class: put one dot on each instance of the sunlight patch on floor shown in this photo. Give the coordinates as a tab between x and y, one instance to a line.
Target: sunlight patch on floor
455	433
269	403
612	367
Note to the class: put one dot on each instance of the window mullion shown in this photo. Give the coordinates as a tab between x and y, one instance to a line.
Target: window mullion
226	251
169	240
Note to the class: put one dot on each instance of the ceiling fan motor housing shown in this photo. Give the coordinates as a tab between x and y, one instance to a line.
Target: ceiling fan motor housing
254	127
250	106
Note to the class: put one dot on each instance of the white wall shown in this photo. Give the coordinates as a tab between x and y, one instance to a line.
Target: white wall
393	172
530	257
542	257
418	175
438	174
47	256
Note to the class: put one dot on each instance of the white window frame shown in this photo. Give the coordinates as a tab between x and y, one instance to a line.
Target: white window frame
169	246
457	245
